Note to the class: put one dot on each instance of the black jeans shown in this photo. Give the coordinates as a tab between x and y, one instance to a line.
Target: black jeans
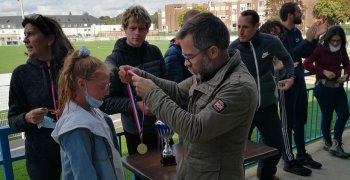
267	121
44	169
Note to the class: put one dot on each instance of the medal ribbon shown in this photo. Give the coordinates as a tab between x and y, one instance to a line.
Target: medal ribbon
52	88
134	110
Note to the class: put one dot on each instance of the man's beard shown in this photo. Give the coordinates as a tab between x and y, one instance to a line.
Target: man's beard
207	67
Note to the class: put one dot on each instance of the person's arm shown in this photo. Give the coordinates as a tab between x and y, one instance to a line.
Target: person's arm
18	106
309	63
77	148
178	92
346	66
174	65
200	127
283	55
302	50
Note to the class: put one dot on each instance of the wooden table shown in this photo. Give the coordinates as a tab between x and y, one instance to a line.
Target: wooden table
148	166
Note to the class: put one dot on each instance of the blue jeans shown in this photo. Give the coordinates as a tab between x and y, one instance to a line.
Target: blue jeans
332	99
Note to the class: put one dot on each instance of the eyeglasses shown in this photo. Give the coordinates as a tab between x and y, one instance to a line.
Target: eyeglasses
190	57
105	87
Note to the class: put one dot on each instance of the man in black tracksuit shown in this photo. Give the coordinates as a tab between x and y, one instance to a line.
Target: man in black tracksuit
296	100
257	52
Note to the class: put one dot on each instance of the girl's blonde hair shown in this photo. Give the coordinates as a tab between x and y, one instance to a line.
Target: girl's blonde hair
76	66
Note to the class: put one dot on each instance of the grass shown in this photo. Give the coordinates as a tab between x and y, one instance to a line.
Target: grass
12	56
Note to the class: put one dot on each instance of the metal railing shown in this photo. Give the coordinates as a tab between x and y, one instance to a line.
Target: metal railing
312	129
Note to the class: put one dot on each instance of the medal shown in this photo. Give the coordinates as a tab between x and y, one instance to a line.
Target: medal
142	148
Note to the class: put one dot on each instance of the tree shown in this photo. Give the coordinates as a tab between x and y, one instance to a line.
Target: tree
198	8
108	20
334	11
273	7
154	19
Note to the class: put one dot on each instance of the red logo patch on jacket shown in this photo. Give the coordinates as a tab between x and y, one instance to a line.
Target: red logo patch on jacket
219	106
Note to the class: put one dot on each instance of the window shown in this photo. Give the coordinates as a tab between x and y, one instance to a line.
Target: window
262	3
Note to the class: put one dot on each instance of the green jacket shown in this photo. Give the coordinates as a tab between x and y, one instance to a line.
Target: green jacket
215	126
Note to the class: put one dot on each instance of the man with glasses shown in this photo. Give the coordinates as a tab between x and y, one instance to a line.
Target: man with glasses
258	51
221	98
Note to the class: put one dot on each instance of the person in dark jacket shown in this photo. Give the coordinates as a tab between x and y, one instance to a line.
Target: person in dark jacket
258	51
327	62
174	60
135	51
296	100
33	95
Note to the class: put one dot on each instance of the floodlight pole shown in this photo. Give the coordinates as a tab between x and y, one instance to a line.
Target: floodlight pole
20	1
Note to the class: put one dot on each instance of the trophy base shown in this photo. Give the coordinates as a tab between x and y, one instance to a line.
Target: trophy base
168	161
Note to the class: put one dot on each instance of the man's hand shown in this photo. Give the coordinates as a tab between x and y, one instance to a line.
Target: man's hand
329	74
321	29
343	78
311	32
126	72
285	84
142	85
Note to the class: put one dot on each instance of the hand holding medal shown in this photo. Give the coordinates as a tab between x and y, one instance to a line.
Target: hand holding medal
141	148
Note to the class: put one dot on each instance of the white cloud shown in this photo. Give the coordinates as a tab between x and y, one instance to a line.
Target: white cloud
94	7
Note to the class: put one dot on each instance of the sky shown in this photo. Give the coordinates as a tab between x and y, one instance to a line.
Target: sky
96	8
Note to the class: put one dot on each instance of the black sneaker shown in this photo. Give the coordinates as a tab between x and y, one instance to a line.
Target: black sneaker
306	160
296	168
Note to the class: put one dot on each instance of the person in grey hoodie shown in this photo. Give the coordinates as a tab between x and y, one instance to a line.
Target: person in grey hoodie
87	138
258	51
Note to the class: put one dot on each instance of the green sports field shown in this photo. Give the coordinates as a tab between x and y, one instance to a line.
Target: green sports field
12	56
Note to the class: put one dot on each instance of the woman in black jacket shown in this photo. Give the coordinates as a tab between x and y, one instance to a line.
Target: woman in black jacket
33	94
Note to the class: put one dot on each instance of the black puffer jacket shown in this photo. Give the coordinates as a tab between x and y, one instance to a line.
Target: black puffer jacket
30	88
147	57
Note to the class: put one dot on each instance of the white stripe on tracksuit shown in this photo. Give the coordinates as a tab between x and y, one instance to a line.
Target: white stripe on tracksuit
287	149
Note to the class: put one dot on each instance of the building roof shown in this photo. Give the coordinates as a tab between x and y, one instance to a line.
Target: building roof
62	19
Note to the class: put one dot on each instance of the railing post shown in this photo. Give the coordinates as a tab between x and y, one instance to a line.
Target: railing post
5	152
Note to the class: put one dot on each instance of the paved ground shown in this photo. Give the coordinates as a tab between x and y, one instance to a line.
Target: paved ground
333	168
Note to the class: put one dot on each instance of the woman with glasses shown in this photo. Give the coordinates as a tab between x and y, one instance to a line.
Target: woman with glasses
327	62
33	95
85	134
